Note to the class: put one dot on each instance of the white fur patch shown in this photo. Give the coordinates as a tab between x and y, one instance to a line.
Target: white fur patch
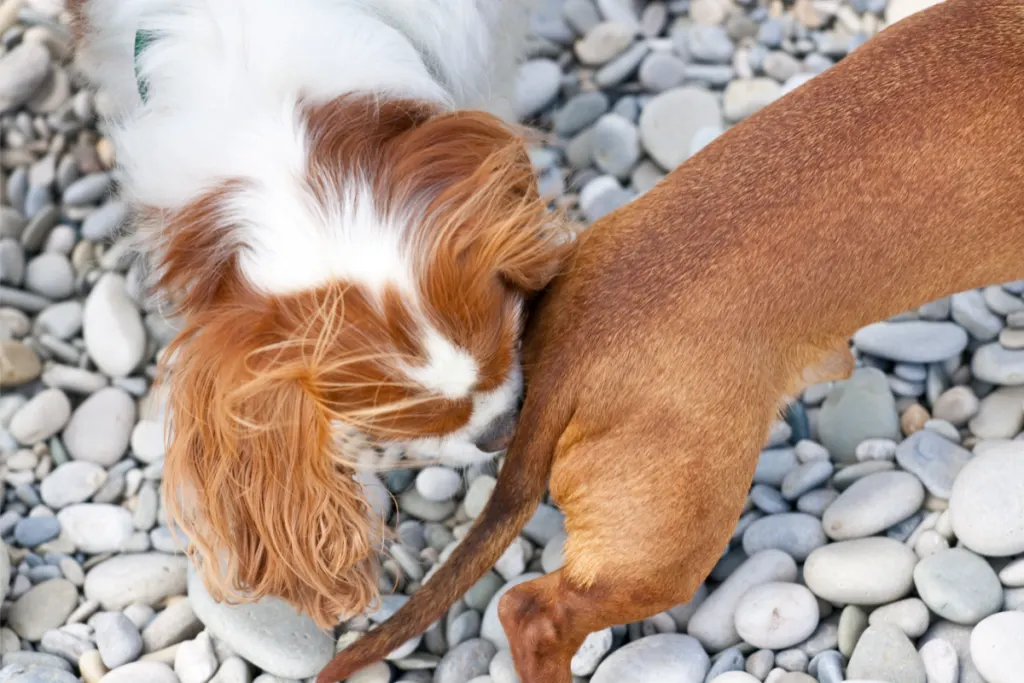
450	371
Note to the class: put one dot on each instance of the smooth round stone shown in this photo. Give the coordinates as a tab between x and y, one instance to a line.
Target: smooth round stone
709	44
145	578
479	596
478	494
465	661
621	67
776	615
502	668
595	646
536	86
490	627
112	327
1000	415
670	120
916	341
969	310
661	658
438	484
117	639
959	637
88	189
806	477
96	528
616	145
1012	574
846	477
43	607
580	111
32	531
857	409
603	42
794	533
816	502
934	459
910	616
713	622
884	653
602	195
744	96
956	405
62	320
195	660
997	647
72	482
730	659
940	661
22	72
987	502
873	504
12	262
852	622
269	633
546	524
147	441
773	465
661	71
958	585
104	222
136	672
101	427
996	365
41	417
50	275
865	571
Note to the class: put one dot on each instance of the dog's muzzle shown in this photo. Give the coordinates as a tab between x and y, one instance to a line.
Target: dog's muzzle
498	435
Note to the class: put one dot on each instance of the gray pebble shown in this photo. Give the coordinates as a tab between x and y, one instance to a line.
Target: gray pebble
730	659
117	639
662	71
958	585
35	530
970	311
465	661
88	189
806	477
616	145
709	44
50	275
579	112
768	499
103	223
936	461
601	196
796	534
621	67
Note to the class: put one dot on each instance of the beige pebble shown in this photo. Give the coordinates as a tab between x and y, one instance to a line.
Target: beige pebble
913	419
91	666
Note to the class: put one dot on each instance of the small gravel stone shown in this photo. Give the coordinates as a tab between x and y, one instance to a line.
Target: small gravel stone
537	86
914	341
857	409
603	42
936	461
268	633
145	578
42	608
987	502
776	615
63	320
655	659
117	639
969	310
41	417
616	145
114	335
670	120
909	615
100	428
464	661
743	97
713	621
50	275
885	653
873	504
33	531
958	585
796	534
866	571
96	528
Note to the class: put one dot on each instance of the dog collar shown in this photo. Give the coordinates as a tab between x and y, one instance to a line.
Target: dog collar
142	40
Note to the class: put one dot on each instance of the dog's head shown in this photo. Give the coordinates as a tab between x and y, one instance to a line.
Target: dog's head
378	292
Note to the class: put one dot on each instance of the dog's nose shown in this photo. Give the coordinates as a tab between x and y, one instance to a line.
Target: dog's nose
498	435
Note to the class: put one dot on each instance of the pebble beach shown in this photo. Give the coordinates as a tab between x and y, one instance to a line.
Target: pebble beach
882	540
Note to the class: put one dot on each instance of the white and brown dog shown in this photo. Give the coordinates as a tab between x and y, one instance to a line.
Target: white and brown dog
348	231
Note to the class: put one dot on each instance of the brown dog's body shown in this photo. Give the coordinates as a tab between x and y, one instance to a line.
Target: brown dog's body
689	316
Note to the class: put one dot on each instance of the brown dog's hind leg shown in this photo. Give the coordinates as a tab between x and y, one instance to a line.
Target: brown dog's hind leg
648	514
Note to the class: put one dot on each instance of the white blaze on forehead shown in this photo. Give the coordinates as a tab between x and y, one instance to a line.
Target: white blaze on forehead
449	371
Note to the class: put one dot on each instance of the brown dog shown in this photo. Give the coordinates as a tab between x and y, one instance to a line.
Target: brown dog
659	361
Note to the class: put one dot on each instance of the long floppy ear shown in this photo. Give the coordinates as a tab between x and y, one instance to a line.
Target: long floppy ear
253	476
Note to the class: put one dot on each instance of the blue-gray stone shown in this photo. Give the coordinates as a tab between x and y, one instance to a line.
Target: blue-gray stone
32	531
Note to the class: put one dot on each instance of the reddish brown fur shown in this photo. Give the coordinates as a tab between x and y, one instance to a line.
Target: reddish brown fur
254	475
656	364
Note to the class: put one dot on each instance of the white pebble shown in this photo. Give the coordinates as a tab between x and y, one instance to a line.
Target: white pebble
776	615
96	527
114	335
997	647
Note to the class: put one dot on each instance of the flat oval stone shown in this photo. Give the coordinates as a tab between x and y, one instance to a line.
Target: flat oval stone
776	615
146	578
996	365
866	571
910	616
269	633
855	410
997	647
670	120
958	585
713	622
916	341
794	533
987	502
655	659
935	460
873	504
885	653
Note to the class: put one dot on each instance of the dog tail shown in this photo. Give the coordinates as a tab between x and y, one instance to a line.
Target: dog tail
520	486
